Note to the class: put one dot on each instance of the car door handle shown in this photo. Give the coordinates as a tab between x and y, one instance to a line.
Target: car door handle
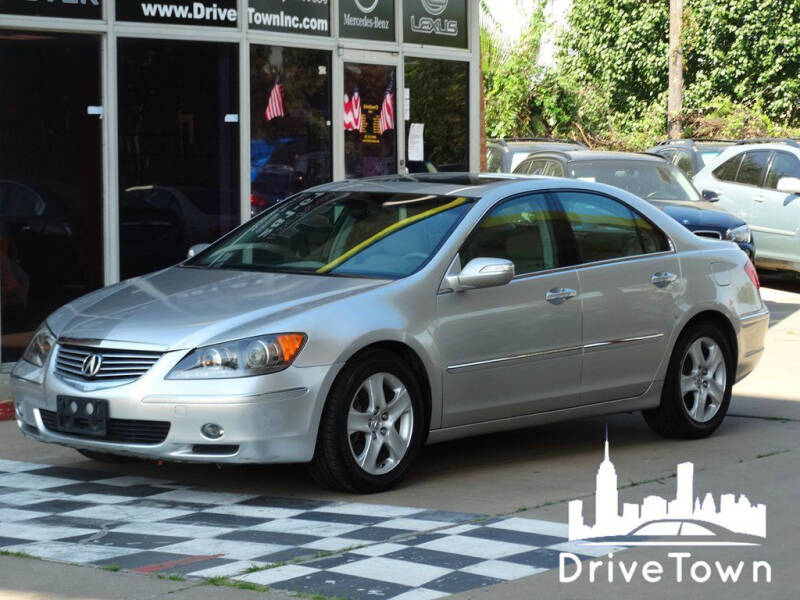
559	295
663	278
759	198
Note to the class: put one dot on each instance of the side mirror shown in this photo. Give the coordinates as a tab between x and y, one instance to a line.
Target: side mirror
196	249
482	273
789	185
710	196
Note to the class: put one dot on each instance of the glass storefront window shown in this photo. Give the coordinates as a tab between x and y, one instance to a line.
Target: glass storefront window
178	149
438	98
290	122
51	239
370	120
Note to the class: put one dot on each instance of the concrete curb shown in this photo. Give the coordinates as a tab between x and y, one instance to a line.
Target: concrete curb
6	410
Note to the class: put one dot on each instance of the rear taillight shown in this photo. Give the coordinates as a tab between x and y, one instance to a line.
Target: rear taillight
752	274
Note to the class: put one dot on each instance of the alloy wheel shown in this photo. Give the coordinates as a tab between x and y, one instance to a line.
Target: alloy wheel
704	377
380	423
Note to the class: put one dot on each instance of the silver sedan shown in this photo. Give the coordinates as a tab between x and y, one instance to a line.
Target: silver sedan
353	323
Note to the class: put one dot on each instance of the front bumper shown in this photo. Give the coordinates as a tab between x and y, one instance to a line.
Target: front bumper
268	419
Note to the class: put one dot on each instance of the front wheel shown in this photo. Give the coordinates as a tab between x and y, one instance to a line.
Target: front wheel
372	427
698	384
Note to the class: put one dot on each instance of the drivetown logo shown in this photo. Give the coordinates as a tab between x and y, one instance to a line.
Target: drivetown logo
685	520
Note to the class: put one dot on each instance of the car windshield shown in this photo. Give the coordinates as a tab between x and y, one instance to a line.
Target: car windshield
647	179
354	234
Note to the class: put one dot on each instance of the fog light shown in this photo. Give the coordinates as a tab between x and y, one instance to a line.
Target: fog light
73	407
89	409
212	431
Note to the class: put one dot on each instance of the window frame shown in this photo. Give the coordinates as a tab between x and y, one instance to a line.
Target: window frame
770	162
762	178
551	193
735	157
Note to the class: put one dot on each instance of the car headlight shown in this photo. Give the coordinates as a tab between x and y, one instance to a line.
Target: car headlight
240	358
40	346
739	234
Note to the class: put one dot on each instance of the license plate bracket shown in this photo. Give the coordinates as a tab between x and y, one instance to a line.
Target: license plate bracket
83	416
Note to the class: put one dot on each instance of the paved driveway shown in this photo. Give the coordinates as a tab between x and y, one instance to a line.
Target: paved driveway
486	514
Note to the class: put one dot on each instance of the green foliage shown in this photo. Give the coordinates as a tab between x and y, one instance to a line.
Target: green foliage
608	86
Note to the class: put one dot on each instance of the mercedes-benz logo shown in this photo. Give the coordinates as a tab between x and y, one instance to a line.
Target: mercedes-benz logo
91	365
365	7
435	7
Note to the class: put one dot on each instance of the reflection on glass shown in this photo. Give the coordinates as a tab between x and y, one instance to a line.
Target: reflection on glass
438	94
178	157
290	122
51	244
341	234
370	137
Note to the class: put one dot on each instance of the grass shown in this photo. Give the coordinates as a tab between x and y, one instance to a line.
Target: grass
17	554
773	453
112	568
241	585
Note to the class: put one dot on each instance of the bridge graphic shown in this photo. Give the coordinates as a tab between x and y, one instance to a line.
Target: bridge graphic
685	520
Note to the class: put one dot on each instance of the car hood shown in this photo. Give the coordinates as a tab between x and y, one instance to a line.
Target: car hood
698	214
181	308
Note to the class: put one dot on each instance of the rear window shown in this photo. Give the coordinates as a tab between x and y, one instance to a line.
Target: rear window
727	170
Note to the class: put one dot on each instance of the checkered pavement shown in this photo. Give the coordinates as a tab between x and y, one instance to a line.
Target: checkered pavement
343	549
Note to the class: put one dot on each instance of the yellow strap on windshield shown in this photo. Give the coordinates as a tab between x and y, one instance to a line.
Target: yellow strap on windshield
388	231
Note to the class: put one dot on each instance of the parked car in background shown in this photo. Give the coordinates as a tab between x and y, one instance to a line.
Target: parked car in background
691	155
760	183
503	155
650	177
349	324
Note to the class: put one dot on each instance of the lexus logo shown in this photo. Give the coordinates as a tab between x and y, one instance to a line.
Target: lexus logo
91	365
365	7
435	7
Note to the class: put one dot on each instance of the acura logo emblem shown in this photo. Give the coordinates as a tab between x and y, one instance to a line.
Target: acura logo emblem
91	365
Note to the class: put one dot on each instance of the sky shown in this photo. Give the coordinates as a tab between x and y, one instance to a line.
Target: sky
506	13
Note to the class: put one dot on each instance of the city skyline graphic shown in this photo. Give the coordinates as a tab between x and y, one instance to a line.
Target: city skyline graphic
686	517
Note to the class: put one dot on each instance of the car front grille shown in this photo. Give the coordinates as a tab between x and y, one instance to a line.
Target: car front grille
708	233
114	364
125	431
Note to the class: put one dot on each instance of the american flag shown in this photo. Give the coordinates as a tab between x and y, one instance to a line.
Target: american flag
352	112
387	108
275	102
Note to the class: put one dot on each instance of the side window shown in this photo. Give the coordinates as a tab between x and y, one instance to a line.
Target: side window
727	170
555	169
524	168
522	230
494	160
783	165
684	162
605	228
751	172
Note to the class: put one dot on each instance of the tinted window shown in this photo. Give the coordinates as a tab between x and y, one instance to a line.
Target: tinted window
684	162
727	170
783	165
494	160
751	171
522	230
605	229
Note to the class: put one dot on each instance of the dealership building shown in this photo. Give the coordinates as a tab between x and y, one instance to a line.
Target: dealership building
131	129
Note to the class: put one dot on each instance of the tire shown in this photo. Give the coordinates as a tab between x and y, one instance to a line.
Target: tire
695	410
105	457
359	449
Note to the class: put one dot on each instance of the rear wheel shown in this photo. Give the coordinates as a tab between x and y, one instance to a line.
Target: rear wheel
372	426
697	388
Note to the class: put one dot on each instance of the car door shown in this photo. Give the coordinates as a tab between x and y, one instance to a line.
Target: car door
775	216
629	279
515	349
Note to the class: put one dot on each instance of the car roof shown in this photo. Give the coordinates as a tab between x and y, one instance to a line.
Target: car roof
586	155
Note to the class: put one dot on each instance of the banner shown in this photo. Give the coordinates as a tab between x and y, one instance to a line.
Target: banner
70	9
367	19
309	17
435	22
219	13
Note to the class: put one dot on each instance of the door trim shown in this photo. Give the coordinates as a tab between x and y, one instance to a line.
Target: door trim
484	363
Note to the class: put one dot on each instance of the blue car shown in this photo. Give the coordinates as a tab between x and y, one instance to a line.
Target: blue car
652	178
